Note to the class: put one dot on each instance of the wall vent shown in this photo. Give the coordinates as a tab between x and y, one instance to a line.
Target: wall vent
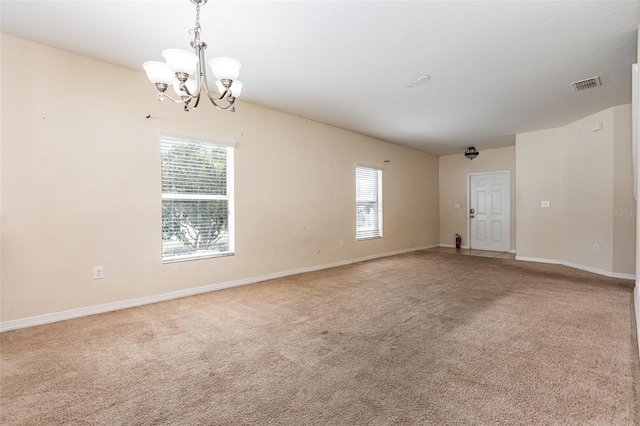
585	84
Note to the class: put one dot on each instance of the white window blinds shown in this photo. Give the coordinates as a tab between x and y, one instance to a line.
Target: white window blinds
197	198
368	203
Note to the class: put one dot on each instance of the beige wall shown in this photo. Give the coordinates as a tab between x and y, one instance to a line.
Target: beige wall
81	187
454	170
588	191
624	204
539	160
587	177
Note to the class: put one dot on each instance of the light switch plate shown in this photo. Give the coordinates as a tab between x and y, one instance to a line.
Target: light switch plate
544	204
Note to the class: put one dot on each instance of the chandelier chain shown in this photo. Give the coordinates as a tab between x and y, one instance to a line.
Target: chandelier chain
196	30
198	15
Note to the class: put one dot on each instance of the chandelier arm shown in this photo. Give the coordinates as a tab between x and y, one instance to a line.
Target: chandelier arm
163	96
213	99
190	96
183	78
198	47
202	81
223	108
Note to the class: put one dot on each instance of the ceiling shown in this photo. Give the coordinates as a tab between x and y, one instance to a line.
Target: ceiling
496	68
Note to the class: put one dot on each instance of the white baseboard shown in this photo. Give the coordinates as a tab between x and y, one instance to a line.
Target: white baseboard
539	260
578	266
452	246
466	247
140	301
631	277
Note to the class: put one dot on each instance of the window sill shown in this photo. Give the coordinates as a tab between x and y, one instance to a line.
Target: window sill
196	257
369	238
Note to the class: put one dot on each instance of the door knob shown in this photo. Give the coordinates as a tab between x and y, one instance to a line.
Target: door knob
472	216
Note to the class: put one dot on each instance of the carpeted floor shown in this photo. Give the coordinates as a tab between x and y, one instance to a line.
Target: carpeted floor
421	338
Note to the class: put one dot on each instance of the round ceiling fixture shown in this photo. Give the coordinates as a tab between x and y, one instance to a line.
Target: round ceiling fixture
471	153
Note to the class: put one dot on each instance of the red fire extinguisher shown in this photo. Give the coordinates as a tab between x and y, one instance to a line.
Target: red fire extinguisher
458	240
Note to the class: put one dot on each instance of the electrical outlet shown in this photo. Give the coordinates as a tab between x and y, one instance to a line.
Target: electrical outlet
341	243
428	232
595	247
98	272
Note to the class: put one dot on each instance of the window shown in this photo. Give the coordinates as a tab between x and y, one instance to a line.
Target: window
368	203
197	198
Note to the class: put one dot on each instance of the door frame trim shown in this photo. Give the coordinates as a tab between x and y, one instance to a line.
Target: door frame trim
508	172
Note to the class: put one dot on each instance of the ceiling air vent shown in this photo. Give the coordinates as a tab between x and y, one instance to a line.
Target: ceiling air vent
585	84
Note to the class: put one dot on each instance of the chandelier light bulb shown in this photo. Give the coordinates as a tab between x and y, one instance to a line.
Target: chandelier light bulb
180	60
159	72
236	87
225	68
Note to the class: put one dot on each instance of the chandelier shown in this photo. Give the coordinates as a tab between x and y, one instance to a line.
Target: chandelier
186	72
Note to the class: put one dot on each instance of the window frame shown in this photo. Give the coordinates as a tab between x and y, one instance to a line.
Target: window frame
377	232
229	197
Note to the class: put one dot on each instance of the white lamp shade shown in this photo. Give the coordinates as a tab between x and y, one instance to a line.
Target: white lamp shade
159	72
180	60
191	86
225	68
236	87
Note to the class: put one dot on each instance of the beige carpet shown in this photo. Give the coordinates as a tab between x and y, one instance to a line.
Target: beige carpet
422	338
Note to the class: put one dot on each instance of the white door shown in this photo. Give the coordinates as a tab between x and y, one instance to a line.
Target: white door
489	211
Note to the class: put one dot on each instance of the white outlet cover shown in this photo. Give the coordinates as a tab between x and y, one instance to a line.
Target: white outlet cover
544	204
98	272
456	206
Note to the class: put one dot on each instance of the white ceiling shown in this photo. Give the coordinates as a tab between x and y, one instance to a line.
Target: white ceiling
497	68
